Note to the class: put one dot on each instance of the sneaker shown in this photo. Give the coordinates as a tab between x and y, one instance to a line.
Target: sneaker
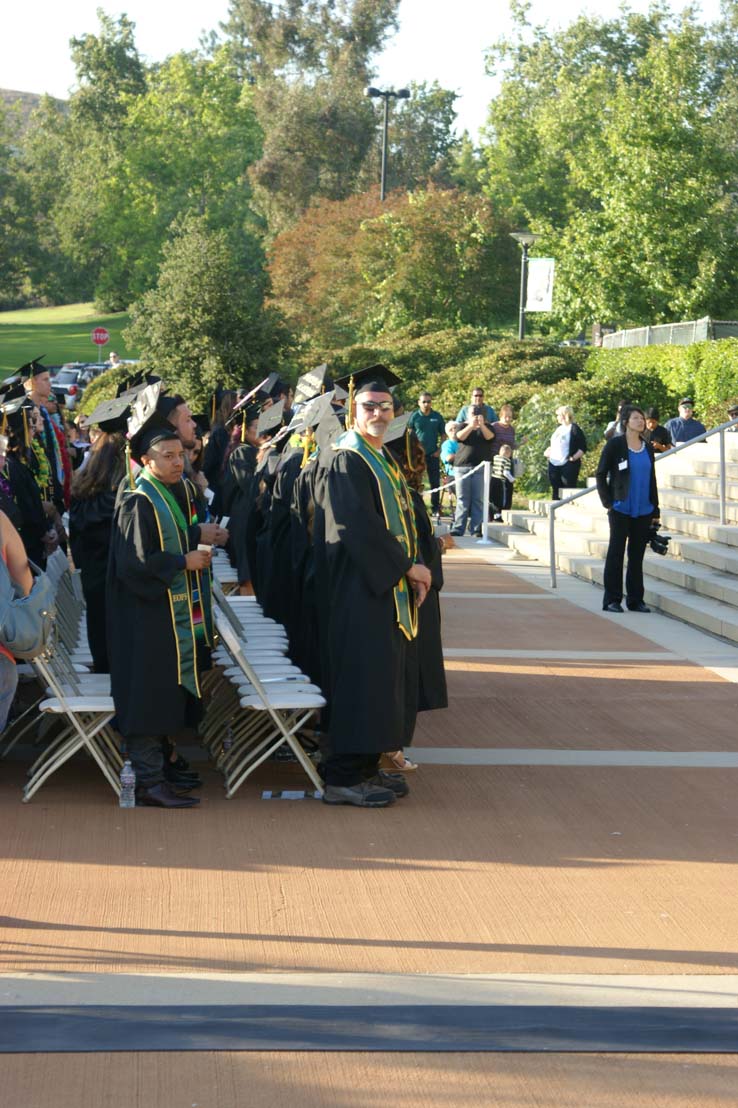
456	534
367	794
497	518
395	782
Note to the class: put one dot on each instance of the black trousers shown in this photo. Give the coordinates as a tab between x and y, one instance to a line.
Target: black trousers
632	531
500	494
346	770
433	466
146	753
563	477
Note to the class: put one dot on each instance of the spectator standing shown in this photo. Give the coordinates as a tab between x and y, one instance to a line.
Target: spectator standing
615	426
477	399
565	452
684	427
657	435
626	483
733	414
501	482
474	441
429	427
504	430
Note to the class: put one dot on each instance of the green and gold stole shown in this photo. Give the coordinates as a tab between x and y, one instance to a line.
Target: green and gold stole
398	516
190	600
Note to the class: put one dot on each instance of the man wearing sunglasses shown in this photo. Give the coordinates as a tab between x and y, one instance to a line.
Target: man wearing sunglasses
371	584
477	401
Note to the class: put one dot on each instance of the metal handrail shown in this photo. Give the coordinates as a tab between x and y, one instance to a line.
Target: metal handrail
555	504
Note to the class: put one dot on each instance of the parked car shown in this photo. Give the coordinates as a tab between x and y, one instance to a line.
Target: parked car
68	385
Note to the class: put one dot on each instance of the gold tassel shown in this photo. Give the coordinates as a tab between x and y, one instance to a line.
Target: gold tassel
350	409
4	427
307	447
26	439
131	482
212	409
243	427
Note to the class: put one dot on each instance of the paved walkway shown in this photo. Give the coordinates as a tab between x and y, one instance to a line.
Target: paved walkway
561	879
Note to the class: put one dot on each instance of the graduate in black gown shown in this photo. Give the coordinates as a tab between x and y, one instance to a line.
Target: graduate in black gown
159	612
21	496
410	456
238	488
91	513
371	586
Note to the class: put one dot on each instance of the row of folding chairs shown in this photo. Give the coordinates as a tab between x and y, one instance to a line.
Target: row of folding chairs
262	701
257	700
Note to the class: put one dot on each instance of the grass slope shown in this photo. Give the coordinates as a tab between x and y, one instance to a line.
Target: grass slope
62	334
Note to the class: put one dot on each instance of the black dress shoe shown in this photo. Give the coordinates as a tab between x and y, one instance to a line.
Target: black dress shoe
639	607
613	607
163	796
180	780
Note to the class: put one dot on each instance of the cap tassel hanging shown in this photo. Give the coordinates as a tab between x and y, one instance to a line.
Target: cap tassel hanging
212	409
26	438
129	467
243	428
350	406
307	448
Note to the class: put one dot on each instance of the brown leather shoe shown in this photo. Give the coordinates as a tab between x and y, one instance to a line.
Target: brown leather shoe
162	796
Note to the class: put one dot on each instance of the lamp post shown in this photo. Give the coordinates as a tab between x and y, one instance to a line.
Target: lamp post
526	240
386	95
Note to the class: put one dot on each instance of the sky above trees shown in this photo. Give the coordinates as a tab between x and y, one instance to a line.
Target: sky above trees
437	40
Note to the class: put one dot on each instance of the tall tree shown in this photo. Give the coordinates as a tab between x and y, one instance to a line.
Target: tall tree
309	62
205	320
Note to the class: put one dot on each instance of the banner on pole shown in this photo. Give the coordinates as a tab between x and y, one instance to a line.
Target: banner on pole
540	285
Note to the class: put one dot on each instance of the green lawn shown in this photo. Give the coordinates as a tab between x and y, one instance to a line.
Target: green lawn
62	334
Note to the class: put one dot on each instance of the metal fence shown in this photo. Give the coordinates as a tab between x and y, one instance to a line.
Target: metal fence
680	334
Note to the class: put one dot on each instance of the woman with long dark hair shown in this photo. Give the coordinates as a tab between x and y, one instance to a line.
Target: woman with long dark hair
90	522
626	483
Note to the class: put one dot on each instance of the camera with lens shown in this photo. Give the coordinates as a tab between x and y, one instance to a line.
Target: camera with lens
658	543
478	409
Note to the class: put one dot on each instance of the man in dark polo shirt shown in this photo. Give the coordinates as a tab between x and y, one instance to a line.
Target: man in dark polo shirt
429	426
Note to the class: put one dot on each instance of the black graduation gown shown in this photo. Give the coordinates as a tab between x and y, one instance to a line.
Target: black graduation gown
32	524
304	641
90	526
141	644
372	679
212	466
432	691
241	482
278	597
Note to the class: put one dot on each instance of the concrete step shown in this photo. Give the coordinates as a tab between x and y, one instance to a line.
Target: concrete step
699	611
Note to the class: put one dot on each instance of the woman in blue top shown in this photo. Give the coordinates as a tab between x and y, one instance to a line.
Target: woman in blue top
626	482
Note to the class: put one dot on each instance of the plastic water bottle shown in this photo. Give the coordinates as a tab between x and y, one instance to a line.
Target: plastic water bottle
127	797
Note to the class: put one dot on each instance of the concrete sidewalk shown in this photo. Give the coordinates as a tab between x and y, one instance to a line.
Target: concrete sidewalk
574	814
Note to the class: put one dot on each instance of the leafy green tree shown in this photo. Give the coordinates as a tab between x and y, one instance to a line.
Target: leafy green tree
614	139
353	268
12	266
109	71
205	320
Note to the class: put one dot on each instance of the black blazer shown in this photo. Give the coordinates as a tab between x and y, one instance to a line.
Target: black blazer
614	483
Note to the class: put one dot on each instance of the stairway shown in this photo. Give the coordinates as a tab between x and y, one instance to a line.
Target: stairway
697	581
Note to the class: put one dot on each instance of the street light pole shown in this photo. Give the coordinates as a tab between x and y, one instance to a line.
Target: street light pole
386	95
526	240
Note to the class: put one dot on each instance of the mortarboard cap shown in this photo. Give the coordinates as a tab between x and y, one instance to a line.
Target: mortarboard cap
203	423
375	378
271	418
147	425
326	433
111	415
32	368
396	429
312	383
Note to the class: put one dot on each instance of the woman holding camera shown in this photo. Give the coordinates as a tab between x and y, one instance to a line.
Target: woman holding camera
626	483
